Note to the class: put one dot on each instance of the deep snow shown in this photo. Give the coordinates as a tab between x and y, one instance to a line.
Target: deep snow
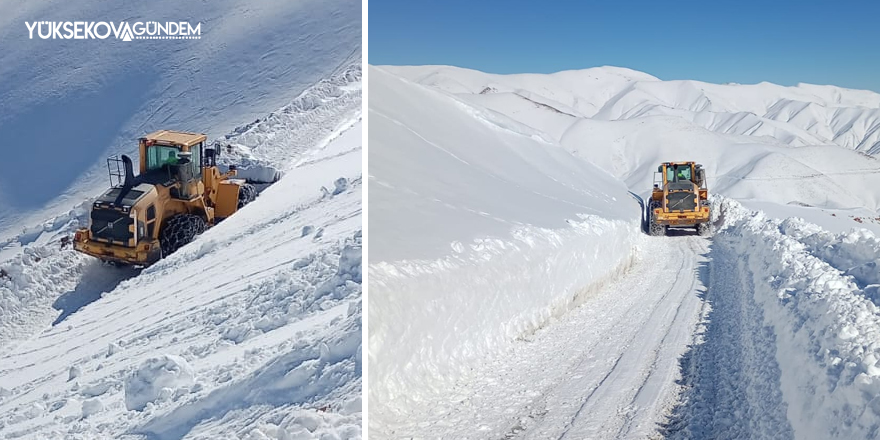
251	331
506	238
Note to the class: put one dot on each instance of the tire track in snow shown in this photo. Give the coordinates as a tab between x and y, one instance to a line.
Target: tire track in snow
610	409
607	368
731	377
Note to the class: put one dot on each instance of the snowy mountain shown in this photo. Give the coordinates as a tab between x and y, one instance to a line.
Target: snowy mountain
254	329
514	295
803	115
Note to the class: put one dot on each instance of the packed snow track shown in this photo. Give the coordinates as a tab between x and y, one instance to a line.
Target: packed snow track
606	370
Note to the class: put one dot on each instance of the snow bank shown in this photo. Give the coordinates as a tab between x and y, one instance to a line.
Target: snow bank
262	150
812	288
438	317
856	253
519	231
483	229
156	379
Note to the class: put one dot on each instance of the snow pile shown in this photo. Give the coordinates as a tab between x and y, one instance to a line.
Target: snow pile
318	373
157	379
826	326
318	282
438	316
483	230
91	407
38	277
855	253
265	148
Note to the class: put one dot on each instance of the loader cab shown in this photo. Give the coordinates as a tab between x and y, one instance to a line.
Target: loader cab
174	159
679	173
161	156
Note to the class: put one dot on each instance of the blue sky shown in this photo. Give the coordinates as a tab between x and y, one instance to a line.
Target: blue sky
744	41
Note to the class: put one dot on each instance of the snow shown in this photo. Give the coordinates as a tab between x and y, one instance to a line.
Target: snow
91	407
814	330
71	103
513	295
155	379
251	331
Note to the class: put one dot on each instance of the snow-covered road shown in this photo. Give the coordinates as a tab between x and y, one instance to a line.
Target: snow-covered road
607	369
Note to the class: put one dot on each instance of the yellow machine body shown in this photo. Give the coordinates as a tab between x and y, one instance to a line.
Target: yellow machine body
679	196
175	177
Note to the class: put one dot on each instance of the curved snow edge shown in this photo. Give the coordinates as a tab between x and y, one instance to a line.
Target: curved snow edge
827	329
437	318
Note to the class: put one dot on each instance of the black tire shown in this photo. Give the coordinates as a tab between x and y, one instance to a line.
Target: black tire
704	229
180	230
655	229
246	193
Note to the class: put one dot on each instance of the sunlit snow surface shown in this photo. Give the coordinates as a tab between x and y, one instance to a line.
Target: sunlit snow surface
513	294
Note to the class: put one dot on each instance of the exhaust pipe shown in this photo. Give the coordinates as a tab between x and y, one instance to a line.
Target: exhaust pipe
128	183
129	172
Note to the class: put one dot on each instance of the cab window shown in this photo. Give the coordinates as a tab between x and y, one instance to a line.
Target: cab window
197	159
680	173
158	155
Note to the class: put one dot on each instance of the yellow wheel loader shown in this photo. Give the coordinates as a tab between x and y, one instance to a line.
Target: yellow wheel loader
178	193
679	198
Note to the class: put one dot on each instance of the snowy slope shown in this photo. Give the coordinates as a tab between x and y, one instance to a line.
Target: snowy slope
67	104
251	331
513	295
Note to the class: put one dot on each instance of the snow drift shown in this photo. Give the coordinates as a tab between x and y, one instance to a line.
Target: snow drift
482	231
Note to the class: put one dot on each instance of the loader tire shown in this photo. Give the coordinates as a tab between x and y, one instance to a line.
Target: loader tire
180	230
246	193
655	229
704	229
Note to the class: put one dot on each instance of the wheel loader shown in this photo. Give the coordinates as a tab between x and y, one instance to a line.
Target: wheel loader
178	193
679	198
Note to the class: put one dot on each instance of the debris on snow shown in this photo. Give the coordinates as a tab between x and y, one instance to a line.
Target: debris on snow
91	406
156	379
